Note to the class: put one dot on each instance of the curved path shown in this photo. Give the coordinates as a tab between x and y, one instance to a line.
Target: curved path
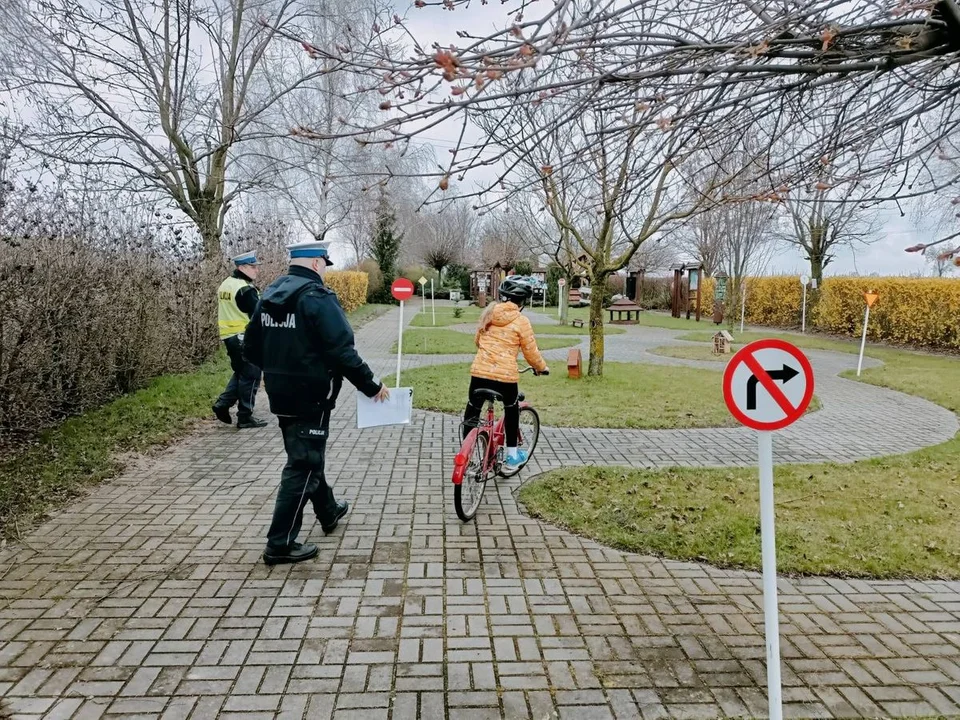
856	420
147	598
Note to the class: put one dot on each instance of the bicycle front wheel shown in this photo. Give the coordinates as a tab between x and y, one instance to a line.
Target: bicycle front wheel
468	494
529	435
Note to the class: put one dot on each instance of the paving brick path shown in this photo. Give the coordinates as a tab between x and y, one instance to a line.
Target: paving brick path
147	598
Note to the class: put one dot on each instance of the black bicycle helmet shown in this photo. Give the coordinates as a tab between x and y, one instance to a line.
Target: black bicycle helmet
517	289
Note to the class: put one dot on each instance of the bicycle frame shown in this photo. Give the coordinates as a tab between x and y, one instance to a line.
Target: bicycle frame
497	435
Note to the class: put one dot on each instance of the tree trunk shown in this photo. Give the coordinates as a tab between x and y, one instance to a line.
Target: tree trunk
208	223
816	267
596	327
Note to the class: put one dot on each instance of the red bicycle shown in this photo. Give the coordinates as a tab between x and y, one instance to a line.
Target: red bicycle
481	455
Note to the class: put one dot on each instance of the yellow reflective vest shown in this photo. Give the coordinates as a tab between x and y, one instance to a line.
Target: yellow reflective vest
230	319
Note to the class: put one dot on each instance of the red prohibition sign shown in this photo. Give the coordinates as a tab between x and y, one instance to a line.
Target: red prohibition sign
402	289
740	389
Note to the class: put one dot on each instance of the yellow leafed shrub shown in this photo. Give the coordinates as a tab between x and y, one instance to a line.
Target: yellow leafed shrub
775	300
910	311
350	287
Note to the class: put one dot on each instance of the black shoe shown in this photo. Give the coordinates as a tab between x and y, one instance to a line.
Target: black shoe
223	414
342	508
297	552
250	422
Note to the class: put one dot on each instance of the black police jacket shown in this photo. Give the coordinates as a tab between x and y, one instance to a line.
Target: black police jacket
301	339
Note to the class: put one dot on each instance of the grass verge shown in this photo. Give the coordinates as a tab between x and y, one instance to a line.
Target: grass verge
453	342
658	396
690	352
648	318
808	342
893	517
551	329
82	451
446	317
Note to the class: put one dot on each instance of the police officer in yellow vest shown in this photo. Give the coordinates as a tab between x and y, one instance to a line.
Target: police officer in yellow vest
238	299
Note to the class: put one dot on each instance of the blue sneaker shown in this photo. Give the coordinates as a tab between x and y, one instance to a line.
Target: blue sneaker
516	461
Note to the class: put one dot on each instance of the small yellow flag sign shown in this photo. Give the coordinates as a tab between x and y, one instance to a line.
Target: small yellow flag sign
871	298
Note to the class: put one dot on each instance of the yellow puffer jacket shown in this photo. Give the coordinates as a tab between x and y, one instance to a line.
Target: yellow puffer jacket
508	334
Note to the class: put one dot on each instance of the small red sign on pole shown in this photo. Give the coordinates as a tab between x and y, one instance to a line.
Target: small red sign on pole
402	289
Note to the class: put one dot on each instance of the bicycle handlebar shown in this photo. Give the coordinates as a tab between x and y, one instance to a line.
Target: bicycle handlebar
535	372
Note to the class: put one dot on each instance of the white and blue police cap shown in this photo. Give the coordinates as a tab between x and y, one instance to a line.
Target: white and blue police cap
310	249
247	258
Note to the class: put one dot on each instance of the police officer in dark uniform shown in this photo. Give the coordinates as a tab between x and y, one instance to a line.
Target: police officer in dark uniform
236	300
299	335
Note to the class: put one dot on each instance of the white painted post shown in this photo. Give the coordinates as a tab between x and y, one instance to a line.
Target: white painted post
743	302
433	302
769	553
400	343
863	340
803	322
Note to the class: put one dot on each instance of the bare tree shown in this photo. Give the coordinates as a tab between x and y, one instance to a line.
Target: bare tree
500	243
825	218
939	264
869	69
443	238
610	184
163	93
703	240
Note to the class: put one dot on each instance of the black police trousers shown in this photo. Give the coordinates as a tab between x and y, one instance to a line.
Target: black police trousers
244	383
302	480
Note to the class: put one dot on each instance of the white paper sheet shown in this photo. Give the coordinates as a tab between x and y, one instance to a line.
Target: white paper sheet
395	411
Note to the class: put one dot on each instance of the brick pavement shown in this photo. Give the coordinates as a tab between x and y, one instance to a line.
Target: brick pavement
147	598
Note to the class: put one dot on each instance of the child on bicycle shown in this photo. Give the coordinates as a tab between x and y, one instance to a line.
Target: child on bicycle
503	333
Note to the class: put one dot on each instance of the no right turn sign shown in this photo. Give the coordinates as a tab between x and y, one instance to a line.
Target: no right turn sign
768	385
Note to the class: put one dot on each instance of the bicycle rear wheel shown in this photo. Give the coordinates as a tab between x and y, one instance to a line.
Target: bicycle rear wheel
468	494
529	435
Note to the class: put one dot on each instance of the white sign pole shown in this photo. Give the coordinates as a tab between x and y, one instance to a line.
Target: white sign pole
803	322
769	552
743	302
400	343
863	341
433	302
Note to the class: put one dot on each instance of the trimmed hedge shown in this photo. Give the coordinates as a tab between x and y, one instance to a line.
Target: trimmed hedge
921	312
350	287
910	311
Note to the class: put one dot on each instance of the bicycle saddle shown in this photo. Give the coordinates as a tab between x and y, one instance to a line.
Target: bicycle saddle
483	394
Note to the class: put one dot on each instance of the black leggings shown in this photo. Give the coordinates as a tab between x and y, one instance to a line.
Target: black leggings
511	410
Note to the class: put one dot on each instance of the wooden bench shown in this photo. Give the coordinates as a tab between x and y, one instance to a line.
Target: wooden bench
578	323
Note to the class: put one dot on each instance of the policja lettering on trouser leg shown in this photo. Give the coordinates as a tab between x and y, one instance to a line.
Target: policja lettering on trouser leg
301	338
237	299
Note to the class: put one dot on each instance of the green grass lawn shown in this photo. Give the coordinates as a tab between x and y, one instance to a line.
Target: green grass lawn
552	329
452	342
83	450
628	396
893	517
446	317
808	342
648	318
690	352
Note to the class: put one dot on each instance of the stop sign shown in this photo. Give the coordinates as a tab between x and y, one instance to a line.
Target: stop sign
402	289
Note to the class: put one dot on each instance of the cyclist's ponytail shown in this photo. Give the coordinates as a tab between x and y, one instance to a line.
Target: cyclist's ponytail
486	320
